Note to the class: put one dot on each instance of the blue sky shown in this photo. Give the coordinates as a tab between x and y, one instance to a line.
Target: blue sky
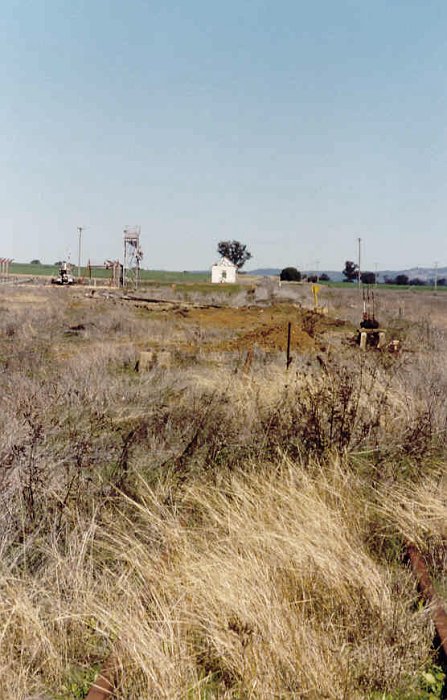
294	127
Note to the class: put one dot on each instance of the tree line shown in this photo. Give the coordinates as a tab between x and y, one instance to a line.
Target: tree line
291	274
351	274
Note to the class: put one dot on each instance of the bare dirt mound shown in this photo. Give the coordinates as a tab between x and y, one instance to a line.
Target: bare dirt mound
271	338
265	327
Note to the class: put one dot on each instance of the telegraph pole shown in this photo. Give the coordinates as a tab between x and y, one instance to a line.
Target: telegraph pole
359	261
80	229
436	275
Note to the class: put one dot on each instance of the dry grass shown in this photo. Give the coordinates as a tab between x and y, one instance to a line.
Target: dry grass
227	531
261	586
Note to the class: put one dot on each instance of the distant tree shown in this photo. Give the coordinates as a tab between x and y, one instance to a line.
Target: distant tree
368	277
235	251
401	279
350	271
312	278
35	262
440	282
416	282
290	274
325	277
58	263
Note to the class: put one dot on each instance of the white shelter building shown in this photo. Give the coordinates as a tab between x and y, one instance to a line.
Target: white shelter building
223	271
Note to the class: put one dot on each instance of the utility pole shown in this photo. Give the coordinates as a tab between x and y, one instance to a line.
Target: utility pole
375	274
80	229
359	261
317	263
436	275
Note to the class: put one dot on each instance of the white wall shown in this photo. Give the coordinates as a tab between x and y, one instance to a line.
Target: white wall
223	274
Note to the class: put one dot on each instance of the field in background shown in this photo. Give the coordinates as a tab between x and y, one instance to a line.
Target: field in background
187	278
223	527
33	270
149	275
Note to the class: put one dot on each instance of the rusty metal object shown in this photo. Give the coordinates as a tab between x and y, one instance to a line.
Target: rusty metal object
248	361
105	683
429	594
289	337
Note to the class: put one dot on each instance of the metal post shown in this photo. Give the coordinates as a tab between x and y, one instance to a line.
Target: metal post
79	250
289	334
359	262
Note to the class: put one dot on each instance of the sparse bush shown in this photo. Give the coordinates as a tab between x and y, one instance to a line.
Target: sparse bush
290	274
368	277
416	282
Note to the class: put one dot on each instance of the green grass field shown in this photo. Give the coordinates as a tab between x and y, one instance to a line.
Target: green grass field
33	270
156	276
165	276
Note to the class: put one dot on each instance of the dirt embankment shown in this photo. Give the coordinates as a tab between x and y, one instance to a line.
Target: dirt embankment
266	327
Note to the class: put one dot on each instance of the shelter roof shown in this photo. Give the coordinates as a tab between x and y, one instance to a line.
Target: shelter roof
224	262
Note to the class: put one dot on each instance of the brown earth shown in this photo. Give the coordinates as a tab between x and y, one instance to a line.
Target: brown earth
210	328
265	327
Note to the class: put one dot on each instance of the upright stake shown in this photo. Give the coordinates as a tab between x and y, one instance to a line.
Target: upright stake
80	228
289	335
359	262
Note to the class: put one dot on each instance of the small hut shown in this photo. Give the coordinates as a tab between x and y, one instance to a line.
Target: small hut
223	272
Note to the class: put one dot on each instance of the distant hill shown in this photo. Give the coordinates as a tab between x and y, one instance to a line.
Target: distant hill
265	271
423	273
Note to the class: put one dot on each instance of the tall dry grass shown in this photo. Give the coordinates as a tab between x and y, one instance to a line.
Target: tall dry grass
224	533
261	586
